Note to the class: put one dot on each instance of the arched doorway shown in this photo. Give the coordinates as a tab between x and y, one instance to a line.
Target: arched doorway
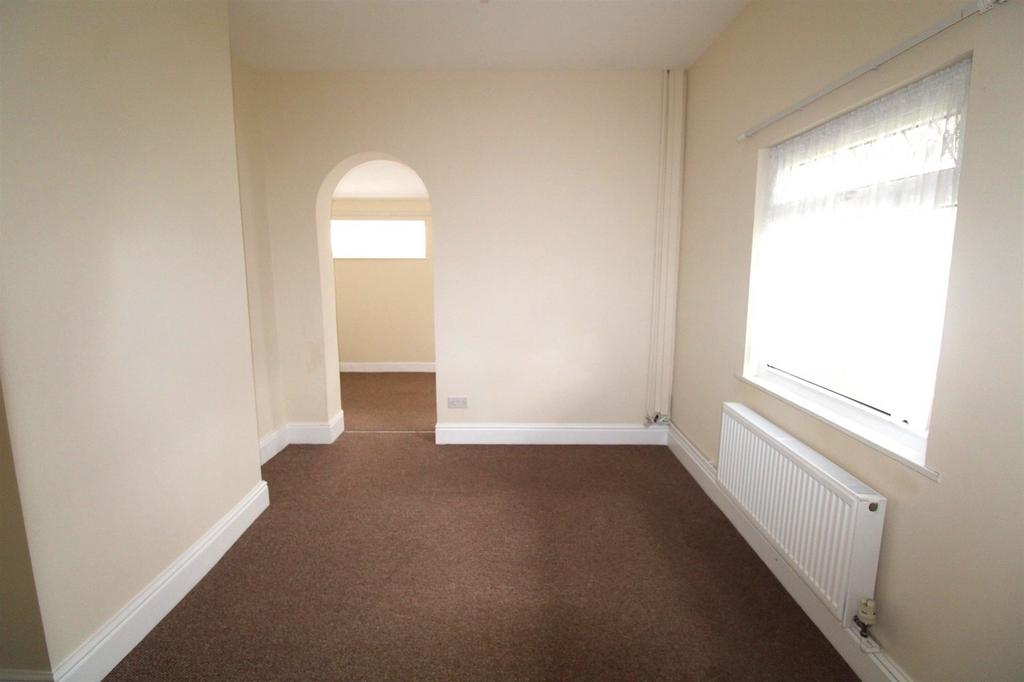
374	217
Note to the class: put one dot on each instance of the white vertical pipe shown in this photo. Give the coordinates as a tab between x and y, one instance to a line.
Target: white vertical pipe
666	246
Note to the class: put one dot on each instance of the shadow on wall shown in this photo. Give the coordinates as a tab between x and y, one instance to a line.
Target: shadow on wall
22	641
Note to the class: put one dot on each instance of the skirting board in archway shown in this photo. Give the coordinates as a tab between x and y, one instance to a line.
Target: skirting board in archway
386	366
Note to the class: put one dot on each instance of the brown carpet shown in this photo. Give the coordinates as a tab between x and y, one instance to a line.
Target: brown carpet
385	557
388	401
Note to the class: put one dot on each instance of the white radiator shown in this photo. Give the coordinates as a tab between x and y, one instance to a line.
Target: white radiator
823	521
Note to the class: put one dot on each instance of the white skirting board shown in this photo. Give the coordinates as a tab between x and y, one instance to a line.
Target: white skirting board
301	433
273	443
112	642
386	366
304	433
549	434
18	675
870	667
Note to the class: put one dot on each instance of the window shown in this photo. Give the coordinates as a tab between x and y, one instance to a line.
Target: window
379	238
851	262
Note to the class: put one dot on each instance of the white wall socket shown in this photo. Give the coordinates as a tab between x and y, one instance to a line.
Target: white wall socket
458	402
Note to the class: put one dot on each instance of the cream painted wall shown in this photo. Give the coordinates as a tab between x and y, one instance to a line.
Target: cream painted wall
544	193
952	566
22	641
385	308
258	258
124	346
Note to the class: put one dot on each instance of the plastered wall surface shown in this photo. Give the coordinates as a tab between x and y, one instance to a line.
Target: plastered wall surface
544	194
258	257
124	349
952	565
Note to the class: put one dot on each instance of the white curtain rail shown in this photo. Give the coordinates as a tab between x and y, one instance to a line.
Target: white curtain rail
970	9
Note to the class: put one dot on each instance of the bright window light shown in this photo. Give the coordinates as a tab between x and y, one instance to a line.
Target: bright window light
379	238
852	253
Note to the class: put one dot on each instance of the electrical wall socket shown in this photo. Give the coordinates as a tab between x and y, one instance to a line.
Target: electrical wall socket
458	402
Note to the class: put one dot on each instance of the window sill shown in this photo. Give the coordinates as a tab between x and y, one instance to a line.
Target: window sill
910	455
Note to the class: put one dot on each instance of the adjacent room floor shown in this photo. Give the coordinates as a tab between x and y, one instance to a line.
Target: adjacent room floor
385	556
388	401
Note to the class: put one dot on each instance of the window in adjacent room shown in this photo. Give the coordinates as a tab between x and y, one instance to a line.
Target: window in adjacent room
379	238
851	262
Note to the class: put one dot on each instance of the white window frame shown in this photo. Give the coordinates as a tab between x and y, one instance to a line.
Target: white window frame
385	209
380	219
872	427
869	427
892	440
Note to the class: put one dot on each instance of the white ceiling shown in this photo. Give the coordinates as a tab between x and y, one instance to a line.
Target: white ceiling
470	34
381	180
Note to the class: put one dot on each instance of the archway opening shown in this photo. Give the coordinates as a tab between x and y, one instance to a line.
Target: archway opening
379	227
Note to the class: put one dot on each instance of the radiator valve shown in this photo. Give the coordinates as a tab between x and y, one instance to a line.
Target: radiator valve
866	616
